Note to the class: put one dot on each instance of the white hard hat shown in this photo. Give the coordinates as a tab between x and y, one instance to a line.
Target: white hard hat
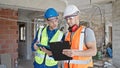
70	9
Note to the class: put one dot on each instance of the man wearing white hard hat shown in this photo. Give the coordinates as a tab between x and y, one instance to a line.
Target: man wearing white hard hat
81	38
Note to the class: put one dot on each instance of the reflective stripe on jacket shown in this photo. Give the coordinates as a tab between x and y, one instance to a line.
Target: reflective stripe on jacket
77	42
40	55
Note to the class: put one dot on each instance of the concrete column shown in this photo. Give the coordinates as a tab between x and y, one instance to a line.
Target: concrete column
29	40
116	33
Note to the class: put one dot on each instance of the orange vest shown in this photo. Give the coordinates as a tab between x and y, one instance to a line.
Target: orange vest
77	42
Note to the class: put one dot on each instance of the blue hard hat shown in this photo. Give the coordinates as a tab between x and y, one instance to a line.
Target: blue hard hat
51	12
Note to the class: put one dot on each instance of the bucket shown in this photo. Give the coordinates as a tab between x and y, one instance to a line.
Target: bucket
98	55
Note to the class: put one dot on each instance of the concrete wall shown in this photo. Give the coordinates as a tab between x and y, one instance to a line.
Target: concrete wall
25	47
94	16
100	18
116	33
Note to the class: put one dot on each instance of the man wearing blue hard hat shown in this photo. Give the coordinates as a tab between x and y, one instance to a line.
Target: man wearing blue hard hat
43	55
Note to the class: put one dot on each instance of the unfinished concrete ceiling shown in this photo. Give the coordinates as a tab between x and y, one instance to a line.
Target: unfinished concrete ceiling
37	5
88	8
43	4
85	4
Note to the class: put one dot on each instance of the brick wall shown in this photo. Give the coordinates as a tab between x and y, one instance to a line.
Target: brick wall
116	33
96	24
99	33
8	33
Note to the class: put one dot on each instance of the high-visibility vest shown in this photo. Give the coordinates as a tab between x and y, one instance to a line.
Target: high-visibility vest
40	55
77	42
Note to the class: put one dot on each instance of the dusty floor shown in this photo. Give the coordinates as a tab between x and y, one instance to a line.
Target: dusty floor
104	63
25	64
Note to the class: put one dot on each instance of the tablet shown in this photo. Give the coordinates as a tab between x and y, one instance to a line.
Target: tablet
57	48
47	47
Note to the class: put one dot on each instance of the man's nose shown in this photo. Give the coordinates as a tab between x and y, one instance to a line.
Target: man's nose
68	21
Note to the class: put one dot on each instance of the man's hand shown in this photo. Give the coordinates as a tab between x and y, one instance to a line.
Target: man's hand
69	52
91	51
46	51
35	46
